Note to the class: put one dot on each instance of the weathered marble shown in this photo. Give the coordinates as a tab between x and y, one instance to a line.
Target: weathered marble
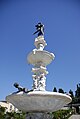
40	58
39	101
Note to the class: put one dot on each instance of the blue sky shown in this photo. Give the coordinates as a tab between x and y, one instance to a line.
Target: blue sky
61	19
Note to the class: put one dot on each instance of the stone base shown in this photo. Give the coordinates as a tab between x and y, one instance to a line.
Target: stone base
38	116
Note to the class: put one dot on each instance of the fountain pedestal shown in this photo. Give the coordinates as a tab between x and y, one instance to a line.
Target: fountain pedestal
40	58
38	116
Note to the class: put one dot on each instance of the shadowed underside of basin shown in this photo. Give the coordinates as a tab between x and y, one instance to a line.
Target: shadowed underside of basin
39	101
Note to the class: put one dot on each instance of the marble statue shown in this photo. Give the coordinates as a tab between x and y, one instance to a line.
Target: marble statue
40	29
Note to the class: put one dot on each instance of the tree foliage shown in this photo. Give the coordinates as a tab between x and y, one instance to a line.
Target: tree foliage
75	97
54	90
61	90
62	114
71	93
11	115
2	113
77	92
14	115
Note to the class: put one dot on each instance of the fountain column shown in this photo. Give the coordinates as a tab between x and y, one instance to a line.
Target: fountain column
39	58
39	70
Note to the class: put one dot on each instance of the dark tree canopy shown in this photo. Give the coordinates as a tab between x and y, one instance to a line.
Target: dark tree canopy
54	90
71	93
77	92
61	90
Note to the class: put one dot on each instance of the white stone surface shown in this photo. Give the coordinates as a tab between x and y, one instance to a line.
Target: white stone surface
40	40
39	82
39	58
43	57
39	101
75	117
40	69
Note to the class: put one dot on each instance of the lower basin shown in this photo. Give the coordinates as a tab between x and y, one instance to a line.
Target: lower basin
39	101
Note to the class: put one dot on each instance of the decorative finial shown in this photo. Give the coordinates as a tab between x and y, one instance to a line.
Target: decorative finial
40	29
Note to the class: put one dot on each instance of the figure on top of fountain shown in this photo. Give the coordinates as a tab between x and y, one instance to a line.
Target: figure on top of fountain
40	29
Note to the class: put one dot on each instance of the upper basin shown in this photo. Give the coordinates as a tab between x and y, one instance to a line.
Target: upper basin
38	56
39	101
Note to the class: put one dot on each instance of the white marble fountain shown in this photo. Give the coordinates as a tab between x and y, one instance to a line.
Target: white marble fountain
38	100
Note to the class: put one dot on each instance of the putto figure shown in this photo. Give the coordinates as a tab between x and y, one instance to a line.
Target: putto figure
40	29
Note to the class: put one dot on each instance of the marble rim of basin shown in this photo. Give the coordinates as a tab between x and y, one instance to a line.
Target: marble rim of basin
40	56
39	101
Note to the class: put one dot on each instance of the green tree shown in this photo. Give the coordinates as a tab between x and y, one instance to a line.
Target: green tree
71	93
77	92
2	112
54	90
14	115
77	98
11	115
62	114
61	90
72	96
